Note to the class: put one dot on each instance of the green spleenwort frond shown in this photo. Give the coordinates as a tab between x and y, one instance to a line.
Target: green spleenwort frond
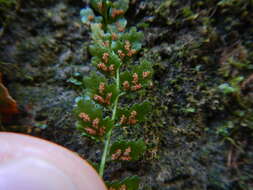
113	47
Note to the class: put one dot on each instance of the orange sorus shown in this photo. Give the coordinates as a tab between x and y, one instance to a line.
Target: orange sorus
145	74
102	66
101	87
99	99
135	78
108	98
85	117
136	87
126	85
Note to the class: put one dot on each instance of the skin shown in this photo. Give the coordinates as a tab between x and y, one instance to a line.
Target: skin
29	163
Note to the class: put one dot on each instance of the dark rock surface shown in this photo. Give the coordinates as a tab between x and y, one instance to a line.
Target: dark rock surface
44	44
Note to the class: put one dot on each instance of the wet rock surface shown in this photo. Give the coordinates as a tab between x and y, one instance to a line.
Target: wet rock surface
45	44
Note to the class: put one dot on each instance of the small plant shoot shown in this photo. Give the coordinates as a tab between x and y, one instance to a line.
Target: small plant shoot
102	108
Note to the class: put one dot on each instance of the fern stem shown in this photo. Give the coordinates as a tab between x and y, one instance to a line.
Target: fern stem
105	16
106	150
109	134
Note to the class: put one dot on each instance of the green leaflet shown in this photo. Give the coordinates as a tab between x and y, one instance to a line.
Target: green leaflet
88	17
121	4
144	66
110	89
133	36
95	3
93	80
93	113
88	107
115	60
98	6
127	150
97	49
117	10
110	67
117	45
97	85
141	111
122	22
131	183
118	27
97	32
144	73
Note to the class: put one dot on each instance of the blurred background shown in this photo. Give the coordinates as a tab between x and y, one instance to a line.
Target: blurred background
199	134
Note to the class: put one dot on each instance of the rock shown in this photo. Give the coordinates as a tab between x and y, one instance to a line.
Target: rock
65	57
58	21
